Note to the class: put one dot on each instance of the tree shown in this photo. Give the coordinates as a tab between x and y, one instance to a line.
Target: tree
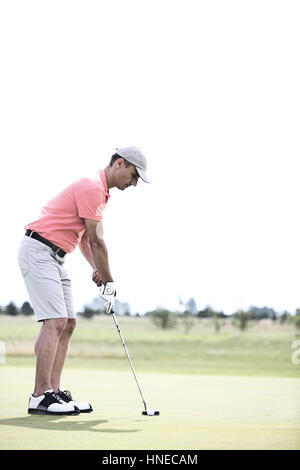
188	321
259	313
217	322
163	318
11	309
96	305
241	319
191	306
286	317
206	313
187	307
297	318
283	317
122	308
26	309
87	312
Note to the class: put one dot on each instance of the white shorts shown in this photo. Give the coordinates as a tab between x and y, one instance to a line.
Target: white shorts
46	280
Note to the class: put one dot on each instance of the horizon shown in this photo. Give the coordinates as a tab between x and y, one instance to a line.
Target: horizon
268	310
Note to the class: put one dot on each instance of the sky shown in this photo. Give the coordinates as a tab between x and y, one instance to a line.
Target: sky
209	90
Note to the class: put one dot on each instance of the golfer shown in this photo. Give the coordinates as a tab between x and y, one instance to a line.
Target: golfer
73	217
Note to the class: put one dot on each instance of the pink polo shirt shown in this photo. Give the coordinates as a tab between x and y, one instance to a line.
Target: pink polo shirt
62	219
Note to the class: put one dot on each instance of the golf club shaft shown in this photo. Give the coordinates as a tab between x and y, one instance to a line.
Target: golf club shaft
123	342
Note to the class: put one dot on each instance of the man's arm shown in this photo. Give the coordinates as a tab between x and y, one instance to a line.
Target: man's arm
85	249
95	251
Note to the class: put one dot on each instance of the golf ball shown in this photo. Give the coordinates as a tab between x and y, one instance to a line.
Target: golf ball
150	412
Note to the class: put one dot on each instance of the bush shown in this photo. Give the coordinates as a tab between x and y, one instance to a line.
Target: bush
87	312
163	319
26	309
188	321
297	319
11	309
241	319
217	323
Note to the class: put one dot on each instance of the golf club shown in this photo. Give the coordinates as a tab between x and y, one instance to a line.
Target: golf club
147	412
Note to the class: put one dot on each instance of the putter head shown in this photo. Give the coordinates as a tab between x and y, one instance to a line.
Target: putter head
150	413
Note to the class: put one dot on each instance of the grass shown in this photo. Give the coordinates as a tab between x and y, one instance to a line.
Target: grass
226	390
263	350
197	412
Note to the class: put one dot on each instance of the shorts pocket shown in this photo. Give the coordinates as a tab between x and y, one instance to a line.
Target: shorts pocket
23	261
40	260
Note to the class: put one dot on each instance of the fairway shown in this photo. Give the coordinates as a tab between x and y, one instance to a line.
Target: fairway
197	412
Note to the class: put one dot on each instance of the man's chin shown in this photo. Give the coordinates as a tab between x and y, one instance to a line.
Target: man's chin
123	186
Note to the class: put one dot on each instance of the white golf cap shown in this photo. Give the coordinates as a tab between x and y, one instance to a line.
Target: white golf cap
137	158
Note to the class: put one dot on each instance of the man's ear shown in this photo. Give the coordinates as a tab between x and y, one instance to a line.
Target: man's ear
120	162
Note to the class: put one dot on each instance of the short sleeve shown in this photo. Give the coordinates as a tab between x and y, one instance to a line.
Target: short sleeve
90	199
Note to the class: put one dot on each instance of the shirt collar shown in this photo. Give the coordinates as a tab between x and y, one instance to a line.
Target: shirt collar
104	182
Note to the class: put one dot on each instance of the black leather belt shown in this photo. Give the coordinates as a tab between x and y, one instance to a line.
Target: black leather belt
58	251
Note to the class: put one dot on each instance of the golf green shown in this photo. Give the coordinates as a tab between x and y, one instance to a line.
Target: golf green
197	412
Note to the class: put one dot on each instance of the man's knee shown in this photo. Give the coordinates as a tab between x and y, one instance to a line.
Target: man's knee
58	324
70	325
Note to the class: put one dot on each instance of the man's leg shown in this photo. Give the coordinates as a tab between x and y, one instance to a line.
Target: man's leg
61	353
45	350
57	367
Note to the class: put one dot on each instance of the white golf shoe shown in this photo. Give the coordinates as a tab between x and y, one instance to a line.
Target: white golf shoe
67	398
50	403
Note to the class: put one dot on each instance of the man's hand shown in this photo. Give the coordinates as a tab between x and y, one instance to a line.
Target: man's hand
107	295
96	278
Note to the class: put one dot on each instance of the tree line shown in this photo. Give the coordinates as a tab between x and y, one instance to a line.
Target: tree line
167	319
241	319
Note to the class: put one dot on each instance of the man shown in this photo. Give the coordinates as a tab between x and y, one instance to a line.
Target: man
73	217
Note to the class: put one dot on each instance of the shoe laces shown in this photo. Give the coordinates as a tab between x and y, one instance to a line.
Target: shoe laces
57	397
